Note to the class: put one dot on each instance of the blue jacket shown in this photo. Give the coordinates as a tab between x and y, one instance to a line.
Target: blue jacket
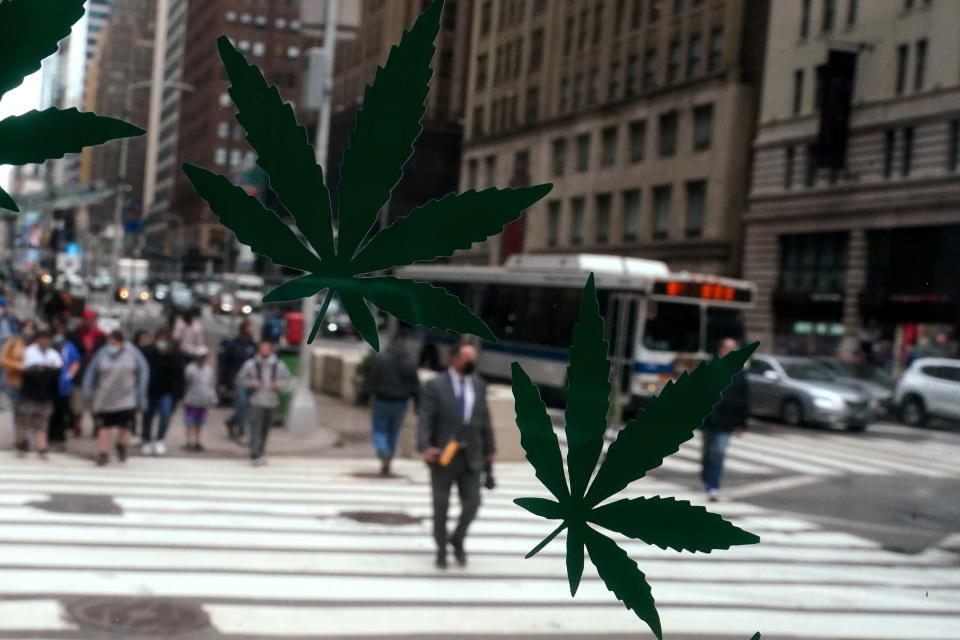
70	355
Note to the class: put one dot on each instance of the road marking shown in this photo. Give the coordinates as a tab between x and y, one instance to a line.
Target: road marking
766	486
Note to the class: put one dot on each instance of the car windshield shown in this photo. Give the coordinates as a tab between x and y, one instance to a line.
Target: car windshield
672	326
808	371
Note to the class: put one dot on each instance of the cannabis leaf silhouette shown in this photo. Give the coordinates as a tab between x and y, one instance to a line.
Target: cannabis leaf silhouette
380	145
30	31
668	421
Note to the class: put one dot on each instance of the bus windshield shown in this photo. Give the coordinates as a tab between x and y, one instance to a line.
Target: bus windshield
672	326
723	323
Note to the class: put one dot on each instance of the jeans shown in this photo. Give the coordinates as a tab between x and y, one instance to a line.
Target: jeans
162	405
714	448
241	404
387	422
259	420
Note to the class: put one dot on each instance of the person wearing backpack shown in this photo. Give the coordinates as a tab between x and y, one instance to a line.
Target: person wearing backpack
265	376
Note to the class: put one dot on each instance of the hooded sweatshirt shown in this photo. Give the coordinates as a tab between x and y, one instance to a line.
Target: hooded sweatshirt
116	382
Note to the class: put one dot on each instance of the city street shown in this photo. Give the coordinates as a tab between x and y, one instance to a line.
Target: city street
854	530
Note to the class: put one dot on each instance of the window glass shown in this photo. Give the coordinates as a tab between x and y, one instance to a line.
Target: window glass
759	366
672	326
722	324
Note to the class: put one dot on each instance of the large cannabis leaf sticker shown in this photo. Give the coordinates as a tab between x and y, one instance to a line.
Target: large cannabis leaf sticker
668	421
29	32
380	146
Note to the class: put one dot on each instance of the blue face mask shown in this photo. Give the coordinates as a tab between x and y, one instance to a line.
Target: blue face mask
57	339
161	345
112	350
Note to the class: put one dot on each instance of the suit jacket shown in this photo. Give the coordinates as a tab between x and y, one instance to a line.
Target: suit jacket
440	420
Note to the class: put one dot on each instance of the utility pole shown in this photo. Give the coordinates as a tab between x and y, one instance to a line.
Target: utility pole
301	415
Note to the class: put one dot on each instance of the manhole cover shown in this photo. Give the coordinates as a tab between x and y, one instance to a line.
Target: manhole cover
381	517
78	503
140	616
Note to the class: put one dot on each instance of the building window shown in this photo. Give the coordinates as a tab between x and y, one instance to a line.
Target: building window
486	17
813	262
797	91
810	176
472	173
597	23
244	45
638	140
631	214
259	49
613	83
295	25
481	78
592	79
649	68
576	221
630	82
246	18
532	105
281	23
667	134
953	146
231	16
920	65
293	52
618	10
559	156
536	50
636	14
673	62
224	99
568	36
223	129
653	11
220	156
478	124
694	53
902	55
662	196
702	127
577	87
829	11
564	98
696	205
715	55
582	33
236	158
583	152
490	164
889	141
261	21
608	147
539	6
851	12
495	117
553	223
788	161
804	18
906	158
603	205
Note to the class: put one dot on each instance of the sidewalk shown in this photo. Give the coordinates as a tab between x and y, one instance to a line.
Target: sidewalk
321	441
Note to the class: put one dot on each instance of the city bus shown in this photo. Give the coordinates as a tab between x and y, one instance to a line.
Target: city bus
657	322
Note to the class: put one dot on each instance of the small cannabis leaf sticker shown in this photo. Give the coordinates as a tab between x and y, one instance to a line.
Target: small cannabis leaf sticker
29	32
380	146
668	421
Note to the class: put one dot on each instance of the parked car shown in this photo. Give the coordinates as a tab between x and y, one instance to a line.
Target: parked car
869	378
800	391
929	388
229	304
181	297
207	291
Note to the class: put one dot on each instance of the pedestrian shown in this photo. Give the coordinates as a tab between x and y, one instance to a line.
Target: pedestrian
188	333
265	376
11	359
89	337
390	378
115	389
142	339
41	366
8	329
164	391
729	416
272	329
199	396
63	418
455	437
233	353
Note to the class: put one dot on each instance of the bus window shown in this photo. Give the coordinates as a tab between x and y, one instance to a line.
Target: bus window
531	315
723	323
672	326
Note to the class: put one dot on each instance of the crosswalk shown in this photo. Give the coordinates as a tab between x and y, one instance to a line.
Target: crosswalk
317	548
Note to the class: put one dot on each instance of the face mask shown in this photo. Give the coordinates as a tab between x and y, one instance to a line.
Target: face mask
161	345
57	339
469	367
112	350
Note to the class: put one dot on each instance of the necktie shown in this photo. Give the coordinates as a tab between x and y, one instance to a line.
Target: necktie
462	400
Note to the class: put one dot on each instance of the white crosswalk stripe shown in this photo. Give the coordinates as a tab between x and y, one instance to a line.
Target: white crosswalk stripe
275	552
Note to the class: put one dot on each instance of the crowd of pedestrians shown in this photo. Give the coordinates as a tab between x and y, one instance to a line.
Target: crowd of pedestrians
53	375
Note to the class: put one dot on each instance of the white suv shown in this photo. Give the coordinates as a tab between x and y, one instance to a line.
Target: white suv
930	388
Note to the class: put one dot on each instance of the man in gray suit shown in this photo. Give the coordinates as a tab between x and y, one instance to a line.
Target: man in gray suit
453	406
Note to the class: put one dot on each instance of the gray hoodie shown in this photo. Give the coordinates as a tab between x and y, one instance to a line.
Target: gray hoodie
266	370
116	382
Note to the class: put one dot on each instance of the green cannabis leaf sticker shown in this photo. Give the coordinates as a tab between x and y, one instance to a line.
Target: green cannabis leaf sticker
29	32
380	145
668	421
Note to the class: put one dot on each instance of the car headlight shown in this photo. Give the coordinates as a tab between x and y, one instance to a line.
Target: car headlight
144	296
828	402
123	293
246	309
332	327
